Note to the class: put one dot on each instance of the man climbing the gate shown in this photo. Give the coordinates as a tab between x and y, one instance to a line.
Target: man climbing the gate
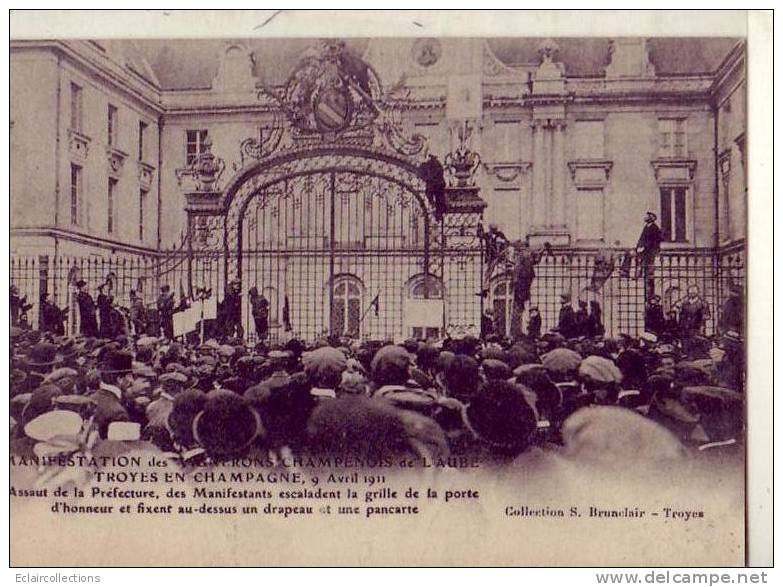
647	249
494	243
525	261
435	184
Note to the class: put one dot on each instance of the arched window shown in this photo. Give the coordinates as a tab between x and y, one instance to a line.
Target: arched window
501	297
347	306
424	307
422	287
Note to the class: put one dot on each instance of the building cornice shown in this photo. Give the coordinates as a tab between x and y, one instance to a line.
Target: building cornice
84	55
578	89
730	64
80	238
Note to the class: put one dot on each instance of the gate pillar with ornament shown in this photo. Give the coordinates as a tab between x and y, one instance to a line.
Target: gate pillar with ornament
463	246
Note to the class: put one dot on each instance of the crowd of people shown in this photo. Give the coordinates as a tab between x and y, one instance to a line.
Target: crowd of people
490	398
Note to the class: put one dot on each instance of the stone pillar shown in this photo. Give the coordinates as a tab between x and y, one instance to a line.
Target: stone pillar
538	197
548	173
559	217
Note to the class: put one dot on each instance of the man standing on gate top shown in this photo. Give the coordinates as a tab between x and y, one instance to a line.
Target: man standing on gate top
88	324
166	311
647	249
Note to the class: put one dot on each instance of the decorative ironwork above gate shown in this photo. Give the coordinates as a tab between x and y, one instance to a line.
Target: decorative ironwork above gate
332	187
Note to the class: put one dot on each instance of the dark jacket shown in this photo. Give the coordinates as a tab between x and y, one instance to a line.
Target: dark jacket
435	183
654	319
581	322
524	273
88	324
166	314
534	326
52	318
487	326
693	315
104	313
732	315
566	321
259	307
650	240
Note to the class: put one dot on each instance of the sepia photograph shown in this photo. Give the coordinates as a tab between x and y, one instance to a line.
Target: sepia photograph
371	295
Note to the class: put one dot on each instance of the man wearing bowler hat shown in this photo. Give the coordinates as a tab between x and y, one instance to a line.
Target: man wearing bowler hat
113	369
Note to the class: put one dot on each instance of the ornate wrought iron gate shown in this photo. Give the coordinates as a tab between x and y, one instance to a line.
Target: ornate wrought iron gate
334	243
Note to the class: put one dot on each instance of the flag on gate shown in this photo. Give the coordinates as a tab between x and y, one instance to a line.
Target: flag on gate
286	315
375	304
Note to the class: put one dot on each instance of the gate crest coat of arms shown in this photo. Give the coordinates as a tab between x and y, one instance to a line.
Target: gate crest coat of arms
330	91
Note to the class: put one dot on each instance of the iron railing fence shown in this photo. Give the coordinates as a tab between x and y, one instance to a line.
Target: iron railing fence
622	296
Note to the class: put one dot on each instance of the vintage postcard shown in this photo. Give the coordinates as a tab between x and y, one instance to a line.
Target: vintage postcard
469	297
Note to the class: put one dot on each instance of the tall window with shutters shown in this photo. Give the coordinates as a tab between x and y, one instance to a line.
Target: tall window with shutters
142	211
110	216
673	137
76	107
76	193
194	147
111	126
501	298
142	131
347	306
674	204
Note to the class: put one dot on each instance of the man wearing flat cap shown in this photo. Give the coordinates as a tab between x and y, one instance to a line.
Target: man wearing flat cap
324	367
390	373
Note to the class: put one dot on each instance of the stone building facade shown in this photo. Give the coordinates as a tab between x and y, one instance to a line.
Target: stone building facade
577	139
